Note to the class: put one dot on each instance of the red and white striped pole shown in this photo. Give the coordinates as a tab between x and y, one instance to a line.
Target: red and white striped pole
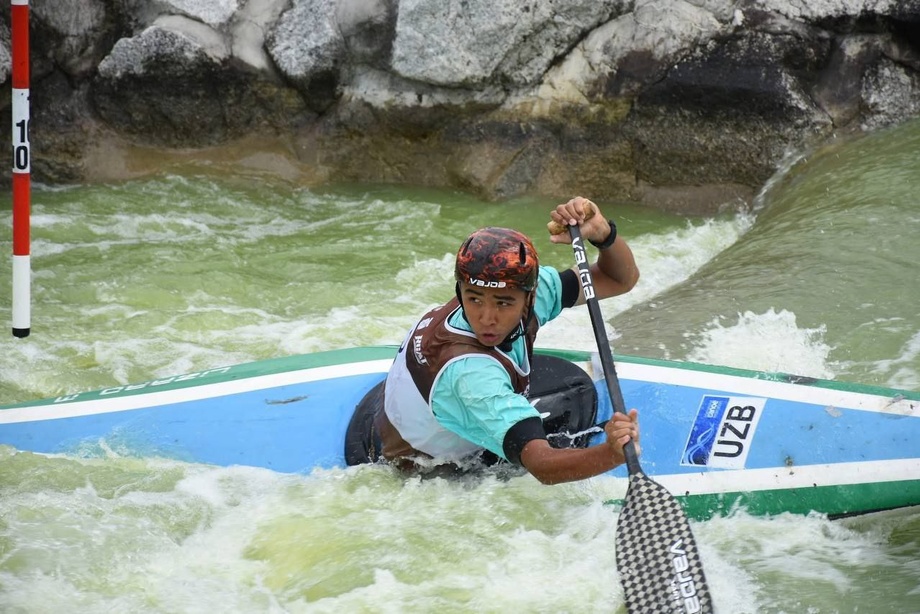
22	266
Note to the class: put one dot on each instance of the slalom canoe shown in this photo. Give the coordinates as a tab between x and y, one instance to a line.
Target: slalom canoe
717	438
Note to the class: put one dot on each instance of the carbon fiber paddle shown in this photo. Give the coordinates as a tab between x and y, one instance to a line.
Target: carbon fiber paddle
657	557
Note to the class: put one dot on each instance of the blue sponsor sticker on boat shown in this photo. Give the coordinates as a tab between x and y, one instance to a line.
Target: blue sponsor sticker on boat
722	432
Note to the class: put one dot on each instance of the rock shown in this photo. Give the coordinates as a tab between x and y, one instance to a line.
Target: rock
689	105
174	85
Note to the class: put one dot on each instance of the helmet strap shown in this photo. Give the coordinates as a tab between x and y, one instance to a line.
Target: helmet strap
460	298
505	346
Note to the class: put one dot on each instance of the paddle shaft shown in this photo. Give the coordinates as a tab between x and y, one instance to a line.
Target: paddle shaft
657	557
603	346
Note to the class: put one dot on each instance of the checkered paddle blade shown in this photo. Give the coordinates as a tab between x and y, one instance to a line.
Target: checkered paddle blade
657	558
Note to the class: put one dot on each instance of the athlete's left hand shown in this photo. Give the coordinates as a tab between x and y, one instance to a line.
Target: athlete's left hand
621	429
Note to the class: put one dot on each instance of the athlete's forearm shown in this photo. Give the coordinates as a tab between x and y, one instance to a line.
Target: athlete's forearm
556	466
615	272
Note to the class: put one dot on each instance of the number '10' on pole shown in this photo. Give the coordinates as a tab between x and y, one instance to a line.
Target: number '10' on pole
22	267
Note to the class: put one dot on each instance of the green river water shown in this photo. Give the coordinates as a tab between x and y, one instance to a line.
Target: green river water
205	266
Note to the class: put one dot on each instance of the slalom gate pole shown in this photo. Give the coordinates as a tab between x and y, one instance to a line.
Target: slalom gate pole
22	266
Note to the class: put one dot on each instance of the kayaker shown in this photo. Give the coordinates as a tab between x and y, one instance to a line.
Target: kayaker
472	358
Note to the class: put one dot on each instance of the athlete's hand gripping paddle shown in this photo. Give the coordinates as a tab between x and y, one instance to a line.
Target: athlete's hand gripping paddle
657	558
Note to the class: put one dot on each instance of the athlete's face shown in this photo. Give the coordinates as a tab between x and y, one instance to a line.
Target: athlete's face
493	312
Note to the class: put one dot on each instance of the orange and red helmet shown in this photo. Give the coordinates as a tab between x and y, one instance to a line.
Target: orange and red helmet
496	258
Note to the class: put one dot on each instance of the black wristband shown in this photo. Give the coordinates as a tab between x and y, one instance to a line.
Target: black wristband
609	240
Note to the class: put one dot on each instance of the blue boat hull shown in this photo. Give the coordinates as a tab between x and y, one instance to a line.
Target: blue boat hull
715	437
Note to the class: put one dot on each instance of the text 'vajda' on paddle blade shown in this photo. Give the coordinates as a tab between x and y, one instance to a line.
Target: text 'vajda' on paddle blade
657	558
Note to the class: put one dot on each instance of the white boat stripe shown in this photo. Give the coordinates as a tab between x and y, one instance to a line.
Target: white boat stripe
754	387
98	405
653	373
805	476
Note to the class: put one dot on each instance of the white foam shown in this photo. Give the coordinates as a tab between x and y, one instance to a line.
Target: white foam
770	341
666	259
903	368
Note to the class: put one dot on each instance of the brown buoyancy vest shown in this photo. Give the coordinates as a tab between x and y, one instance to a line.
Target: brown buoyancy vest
427	351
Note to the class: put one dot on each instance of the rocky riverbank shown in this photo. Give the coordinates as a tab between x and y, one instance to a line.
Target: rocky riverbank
689	105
